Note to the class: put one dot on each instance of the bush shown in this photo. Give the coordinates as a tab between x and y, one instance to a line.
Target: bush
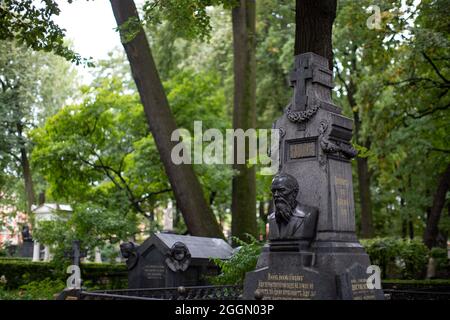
42	290
20	272
440	256
35	290
394	255
244	260
104	276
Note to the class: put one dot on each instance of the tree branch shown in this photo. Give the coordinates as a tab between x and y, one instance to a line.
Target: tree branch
434	67
426	113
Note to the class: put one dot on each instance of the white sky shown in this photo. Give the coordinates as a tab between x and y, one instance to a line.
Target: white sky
90	27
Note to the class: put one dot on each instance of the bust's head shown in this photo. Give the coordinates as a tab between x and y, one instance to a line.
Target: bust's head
127	249
284	191
178	257
179	251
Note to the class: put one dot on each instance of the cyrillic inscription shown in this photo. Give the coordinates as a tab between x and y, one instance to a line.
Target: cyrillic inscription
153	271
290	287
302	150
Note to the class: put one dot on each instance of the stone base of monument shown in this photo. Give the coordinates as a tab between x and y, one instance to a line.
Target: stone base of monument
325	272
26	249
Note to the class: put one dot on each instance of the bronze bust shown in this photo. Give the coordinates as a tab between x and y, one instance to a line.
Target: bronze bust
290	219
129	252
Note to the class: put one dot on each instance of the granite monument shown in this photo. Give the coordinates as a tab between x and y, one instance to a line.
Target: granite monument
313	251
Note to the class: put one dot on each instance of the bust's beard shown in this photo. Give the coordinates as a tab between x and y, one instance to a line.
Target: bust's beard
283	210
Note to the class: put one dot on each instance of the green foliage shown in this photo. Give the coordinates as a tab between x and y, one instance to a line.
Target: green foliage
440	255
36	290
20	273
188	18
98	153
95	167
42	290
91	224
111	167
244	260
409	257
398	77
33	26
34	85
274	53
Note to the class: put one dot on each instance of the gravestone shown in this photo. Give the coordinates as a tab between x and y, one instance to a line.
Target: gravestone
76	253
170	260
313	251
26	248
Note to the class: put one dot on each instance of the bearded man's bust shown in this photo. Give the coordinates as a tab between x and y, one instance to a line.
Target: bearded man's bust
290	219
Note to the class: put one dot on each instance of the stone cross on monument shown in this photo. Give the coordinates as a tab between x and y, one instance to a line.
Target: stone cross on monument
76	253
298	79
313	251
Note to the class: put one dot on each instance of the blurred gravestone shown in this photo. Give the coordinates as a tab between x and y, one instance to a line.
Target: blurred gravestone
26	248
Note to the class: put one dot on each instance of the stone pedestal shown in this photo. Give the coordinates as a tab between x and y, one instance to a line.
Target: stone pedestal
26	249
315	149
46	253
98	256
308	275
36	251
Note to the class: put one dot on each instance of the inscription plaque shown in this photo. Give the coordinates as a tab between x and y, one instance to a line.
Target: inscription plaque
341	189
360	290
301	150
289	287
353	285
154	271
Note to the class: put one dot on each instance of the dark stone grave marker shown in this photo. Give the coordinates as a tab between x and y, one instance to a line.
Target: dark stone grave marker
170	260
26	248
76	253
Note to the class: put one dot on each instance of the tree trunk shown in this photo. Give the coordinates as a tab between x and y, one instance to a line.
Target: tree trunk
28	180
313	25
411	228
188	192
26	170
404	219
243	205
431	229
262	212
365	198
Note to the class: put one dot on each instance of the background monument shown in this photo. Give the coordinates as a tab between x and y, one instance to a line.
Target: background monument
171	260
325	260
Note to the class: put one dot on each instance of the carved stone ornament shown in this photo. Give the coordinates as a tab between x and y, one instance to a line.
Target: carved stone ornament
337	147
303	116
178	257
129	252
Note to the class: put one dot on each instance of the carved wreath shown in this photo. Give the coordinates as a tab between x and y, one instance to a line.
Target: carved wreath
302	116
